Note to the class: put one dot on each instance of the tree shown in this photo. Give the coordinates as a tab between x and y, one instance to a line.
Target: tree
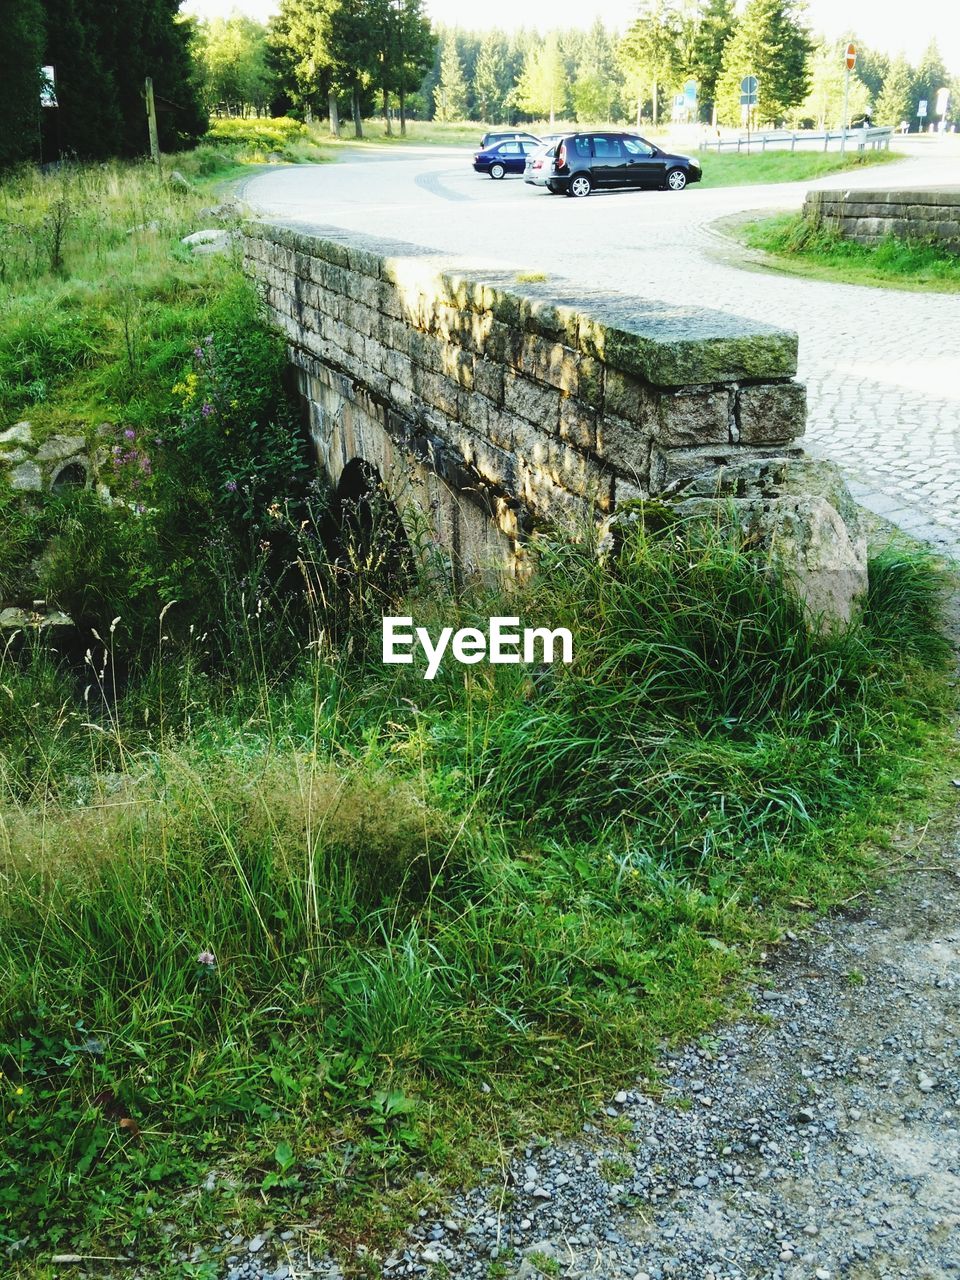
233	57
450	94
895	102
541	90
20	118
305	49
102	55
828	89
931	77
650	53
713	29
771	43
596	79
490	87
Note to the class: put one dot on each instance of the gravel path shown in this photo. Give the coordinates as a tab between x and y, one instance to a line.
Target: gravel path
816	1140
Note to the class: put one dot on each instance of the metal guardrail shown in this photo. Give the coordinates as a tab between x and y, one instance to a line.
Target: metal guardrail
784	140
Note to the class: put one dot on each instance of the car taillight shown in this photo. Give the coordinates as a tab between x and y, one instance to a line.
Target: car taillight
561	156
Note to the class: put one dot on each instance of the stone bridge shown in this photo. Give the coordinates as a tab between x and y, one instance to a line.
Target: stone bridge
489	404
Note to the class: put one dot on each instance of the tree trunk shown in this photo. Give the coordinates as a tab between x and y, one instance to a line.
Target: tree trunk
639	108
308	114
654	104
386	111
403	114
334	114
357	121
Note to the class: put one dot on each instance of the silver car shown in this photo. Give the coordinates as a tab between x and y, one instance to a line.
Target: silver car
538	166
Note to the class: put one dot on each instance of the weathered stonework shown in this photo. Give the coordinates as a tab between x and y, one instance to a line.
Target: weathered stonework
488	407
919	213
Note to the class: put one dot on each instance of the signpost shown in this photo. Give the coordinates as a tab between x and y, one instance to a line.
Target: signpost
921	108
748	100
850	56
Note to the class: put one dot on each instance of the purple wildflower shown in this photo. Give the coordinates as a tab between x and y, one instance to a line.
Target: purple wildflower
130	433
207	958
198	353
231	486
206	410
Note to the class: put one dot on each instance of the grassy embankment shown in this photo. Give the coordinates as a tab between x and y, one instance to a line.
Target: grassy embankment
795	246
444	915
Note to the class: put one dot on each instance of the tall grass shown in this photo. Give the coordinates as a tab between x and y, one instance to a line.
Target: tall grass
802	245
519	879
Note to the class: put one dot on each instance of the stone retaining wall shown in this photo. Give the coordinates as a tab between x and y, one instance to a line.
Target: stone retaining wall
488	404
923	213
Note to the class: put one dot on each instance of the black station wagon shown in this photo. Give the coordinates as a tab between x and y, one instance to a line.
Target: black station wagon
585	162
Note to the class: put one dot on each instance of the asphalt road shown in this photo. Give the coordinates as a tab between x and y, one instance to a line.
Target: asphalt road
882	366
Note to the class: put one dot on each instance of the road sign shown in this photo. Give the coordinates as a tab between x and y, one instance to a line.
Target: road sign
679	101
748	91
851	56
922	108
690	92
943	101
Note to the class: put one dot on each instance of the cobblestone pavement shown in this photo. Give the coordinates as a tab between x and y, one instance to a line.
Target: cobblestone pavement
882	366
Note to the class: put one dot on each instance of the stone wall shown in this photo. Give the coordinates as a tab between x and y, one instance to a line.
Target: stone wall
922	213
488	405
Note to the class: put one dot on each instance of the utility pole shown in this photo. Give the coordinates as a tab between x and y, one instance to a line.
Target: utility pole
152	121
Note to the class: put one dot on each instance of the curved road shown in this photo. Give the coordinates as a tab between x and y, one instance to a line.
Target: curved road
882	366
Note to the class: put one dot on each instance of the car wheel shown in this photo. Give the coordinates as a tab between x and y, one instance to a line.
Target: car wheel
676	179
580	186
497	171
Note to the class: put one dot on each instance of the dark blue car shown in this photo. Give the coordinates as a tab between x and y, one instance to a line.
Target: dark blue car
505	157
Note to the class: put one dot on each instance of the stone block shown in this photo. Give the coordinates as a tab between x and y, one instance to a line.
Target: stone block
549	362
697	415
624	444
625	396
57	447
526	399
578	423
488	379
19	433
589	384
26	477
771	412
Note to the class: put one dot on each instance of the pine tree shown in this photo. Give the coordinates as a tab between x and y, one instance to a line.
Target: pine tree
650	53
715	27
20	112
771	43
895	103
450	95
102	53
931	77
489	78
596	79
541	90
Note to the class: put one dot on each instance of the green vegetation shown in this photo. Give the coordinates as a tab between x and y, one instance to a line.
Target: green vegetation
256	140
283	923
729	170
795	245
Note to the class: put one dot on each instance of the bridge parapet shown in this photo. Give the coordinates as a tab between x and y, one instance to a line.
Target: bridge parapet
491	401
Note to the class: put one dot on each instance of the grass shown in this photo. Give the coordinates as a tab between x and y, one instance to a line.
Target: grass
794	245
729	170
282	928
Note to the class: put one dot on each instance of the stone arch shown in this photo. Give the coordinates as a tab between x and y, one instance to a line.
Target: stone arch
72	474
